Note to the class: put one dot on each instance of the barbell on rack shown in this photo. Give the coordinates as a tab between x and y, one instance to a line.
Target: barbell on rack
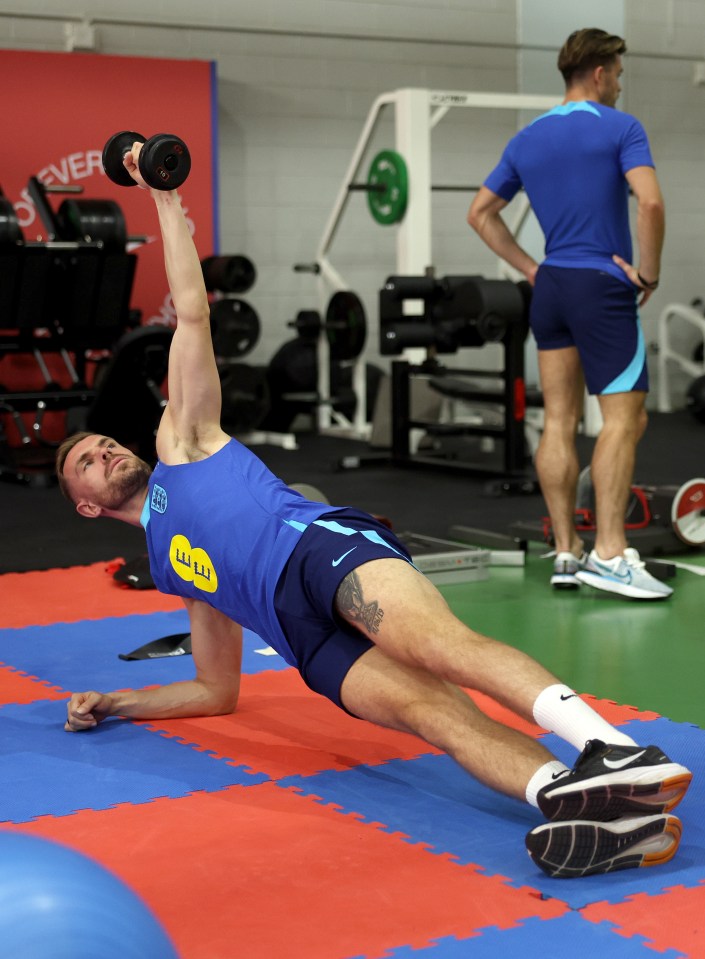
235	328
387	187
345	325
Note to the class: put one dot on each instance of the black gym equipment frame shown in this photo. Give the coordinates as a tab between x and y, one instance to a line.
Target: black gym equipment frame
460	312
64	297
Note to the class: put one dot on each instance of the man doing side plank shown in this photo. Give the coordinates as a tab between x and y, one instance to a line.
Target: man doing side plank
336	594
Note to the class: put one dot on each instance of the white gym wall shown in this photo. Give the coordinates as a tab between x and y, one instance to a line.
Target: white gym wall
296	79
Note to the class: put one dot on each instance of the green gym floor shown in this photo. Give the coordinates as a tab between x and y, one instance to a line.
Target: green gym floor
647	654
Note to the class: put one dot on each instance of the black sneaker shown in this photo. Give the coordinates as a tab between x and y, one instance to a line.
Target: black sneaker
579	848
612	781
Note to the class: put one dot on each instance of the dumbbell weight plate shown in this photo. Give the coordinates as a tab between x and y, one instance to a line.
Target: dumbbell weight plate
114	153
228	274
308	325
235	328
164	161
345	325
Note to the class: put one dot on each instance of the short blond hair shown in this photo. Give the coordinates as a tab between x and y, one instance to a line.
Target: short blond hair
586	49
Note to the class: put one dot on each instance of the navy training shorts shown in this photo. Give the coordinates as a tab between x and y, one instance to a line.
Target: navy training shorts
598	314
324	644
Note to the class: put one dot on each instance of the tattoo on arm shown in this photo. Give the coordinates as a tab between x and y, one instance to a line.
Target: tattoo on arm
352	606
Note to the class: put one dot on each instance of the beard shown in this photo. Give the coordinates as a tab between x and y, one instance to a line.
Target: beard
129	477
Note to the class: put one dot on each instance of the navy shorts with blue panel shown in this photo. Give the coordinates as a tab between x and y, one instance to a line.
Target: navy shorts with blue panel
332	546
598	314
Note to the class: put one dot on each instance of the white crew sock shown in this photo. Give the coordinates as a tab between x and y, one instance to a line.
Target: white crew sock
560	710
542	777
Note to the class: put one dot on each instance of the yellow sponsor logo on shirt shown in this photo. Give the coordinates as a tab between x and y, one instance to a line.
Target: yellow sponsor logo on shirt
192	564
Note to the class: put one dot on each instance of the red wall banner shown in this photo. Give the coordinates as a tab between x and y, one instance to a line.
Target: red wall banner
58	111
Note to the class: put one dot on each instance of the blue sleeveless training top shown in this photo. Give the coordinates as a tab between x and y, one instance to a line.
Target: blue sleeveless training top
221	530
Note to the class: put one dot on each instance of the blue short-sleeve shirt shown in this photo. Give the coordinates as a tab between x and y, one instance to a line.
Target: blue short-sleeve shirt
572	162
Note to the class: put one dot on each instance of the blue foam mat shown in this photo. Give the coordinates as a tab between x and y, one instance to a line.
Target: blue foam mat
47	771
433	801
580	939
84	655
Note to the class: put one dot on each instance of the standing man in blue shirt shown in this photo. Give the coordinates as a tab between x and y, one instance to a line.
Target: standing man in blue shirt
578	164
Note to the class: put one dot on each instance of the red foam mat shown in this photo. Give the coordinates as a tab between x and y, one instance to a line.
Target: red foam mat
69	595
16	687
286	868
283	729
670	921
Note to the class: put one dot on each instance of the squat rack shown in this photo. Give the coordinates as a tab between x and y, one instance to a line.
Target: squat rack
416	113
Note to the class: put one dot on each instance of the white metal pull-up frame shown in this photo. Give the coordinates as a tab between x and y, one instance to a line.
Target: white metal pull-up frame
417	112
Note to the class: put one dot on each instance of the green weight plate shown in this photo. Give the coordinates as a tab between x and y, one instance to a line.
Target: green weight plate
388	169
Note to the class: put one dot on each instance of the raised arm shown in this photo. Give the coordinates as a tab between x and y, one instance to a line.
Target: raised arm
485	217
190	426
216	645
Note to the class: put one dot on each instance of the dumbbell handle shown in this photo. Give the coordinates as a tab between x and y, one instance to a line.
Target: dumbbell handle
127	149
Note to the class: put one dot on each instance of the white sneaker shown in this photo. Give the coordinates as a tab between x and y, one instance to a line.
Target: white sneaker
625	575
565	567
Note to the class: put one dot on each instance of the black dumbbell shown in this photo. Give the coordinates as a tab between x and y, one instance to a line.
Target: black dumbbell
164	160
